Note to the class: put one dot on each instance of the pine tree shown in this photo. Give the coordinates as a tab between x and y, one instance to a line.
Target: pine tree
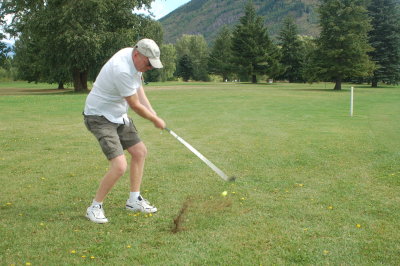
385	39
219	61
343	42
252	50
292	51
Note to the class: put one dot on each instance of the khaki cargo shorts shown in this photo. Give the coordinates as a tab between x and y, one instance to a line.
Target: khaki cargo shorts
113	138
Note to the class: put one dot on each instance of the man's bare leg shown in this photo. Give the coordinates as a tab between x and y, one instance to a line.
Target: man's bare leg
138	153
117	169
135	201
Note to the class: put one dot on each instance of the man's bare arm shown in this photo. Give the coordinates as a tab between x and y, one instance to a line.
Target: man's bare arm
143	99
143	111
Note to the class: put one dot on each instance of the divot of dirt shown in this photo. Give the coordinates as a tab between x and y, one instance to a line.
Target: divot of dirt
179	219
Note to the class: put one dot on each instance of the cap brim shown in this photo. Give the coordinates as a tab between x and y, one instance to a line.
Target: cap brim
155	63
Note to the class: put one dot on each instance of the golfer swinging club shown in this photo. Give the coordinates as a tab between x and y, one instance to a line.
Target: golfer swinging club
117	86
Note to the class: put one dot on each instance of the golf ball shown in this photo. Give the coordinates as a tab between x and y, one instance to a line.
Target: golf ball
223	194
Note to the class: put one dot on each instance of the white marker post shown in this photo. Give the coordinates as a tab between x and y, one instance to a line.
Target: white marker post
351	101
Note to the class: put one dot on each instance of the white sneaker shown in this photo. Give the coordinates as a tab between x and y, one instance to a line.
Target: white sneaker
140	205
96	214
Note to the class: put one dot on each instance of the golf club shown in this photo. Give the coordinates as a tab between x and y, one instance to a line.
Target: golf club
204	159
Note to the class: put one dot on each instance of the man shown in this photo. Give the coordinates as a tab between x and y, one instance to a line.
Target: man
117	87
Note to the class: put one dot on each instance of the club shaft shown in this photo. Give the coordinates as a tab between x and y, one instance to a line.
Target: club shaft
198	154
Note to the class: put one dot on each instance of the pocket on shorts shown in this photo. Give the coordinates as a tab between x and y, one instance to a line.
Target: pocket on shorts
132	125
111	146
95	123
85	121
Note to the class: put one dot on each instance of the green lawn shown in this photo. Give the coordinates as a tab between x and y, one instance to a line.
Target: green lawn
315	186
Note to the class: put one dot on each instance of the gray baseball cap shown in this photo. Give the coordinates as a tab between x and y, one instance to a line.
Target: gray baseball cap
150	49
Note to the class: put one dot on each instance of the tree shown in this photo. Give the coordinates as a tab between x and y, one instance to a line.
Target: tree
252	51
168	58
220	60
292	51
185	68
385	39
196	48
28	58
309	69
76	37
4	50
343	42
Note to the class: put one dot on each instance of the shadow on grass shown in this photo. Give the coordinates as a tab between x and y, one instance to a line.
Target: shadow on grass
24	91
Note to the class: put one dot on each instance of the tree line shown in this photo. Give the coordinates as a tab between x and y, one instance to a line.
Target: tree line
68	41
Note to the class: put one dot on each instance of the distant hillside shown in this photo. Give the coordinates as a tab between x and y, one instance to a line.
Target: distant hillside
206	17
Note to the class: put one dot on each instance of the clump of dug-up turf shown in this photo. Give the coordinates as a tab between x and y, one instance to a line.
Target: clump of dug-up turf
179	219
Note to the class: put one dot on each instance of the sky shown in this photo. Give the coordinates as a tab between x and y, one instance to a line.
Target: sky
159	8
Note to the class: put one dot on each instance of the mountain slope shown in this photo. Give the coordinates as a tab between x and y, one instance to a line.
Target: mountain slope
206	17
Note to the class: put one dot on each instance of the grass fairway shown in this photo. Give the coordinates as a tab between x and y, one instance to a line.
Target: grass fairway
315	186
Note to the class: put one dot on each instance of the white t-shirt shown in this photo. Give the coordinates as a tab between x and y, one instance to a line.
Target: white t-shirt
117	79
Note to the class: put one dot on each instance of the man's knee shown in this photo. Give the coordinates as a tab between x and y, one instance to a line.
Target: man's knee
138	151
119	165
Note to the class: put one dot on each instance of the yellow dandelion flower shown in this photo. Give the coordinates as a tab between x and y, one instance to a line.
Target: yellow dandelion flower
330	207
8	203
92	257
128	246
73	251
150	214
83	256
326	252
358	225
28	263
41	224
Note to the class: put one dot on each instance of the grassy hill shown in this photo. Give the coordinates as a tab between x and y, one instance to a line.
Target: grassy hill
206	17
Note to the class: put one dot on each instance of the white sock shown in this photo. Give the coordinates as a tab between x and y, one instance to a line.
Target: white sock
97	203
134	195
